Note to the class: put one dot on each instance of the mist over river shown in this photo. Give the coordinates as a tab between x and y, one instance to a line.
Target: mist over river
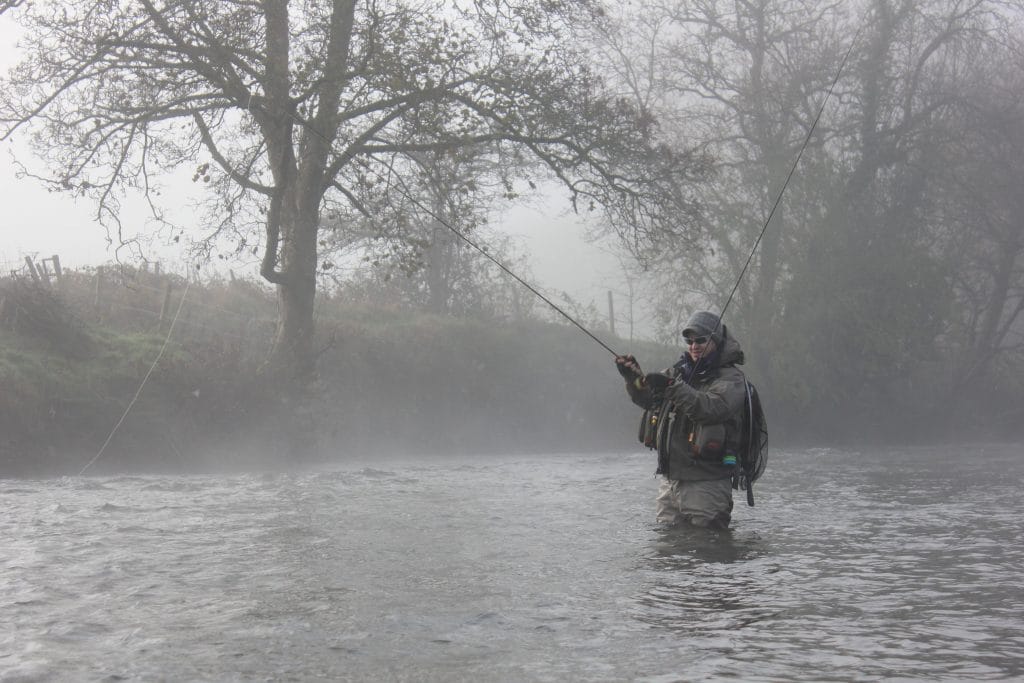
853	566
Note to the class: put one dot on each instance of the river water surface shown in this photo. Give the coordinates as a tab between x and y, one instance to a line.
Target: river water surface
853	566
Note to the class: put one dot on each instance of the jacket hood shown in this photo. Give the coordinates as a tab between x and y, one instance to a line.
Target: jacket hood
732	352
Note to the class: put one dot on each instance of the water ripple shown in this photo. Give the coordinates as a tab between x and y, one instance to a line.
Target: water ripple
900	565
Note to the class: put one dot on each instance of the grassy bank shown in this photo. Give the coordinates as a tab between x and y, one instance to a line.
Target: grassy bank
74	354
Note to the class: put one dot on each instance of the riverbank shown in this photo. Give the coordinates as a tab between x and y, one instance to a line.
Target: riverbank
72	362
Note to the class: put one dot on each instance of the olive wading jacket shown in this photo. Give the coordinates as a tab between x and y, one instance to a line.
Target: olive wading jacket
706	420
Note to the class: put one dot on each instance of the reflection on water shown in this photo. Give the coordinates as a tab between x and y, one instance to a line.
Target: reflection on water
853	566
683	547
696	588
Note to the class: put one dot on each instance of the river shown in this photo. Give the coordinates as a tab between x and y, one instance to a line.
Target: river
852	566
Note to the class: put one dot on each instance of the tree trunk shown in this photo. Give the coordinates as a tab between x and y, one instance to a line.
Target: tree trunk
291	367
293	357
437	293
439	266
988	340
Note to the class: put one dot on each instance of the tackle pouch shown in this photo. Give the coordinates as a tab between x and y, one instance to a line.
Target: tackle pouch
707	442
648	427
649	421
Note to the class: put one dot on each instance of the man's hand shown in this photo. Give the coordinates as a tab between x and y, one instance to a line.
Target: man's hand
657	380
628	368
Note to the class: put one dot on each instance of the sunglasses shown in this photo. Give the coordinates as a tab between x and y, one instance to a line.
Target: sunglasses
690	341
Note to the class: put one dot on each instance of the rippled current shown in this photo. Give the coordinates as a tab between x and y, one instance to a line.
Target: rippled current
853	566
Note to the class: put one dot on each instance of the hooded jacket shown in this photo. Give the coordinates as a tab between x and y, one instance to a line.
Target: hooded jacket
705	419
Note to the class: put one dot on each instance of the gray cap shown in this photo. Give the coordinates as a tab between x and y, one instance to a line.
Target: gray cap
703	324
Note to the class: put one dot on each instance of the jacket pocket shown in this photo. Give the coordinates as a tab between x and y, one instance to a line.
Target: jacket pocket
708	441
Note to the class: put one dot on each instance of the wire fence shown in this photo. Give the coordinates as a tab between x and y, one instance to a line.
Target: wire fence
237	316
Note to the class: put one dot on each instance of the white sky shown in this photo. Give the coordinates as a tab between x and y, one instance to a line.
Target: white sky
40	223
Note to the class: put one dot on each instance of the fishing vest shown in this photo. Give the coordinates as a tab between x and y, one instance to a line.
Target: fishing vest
693	450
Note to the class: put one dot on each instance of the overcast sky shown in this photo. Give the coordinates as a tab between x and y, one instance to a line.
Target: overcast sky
40	223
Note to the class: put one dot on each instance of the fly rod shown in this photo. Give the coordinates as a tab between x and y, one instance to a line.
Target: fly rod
503	267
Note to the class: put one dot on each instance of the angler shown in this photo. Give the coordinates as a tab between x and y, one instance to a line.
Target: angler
695	415
702	415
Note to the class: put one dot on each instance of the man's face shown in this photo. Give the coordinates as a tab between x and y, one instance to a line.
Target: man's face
698	345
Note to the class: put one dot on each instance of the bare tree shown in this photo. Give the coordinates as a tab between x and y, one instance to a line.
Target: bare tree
867	287
979	204
848	294
286	108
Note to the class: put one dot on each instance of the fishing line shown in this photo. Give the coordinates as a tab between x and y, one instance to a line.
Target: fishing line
792	170
145	379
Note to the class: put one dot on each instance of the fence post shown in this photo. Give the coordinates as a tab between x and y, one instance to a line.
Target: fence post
43	271
31	268
611	313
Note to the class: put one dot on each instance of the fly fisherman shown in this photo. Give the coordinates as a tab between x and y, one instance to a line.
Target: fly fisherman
694	417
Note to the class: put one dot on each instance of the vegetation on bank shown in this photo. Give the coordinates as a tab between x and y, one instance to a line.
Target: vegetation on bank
389	381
